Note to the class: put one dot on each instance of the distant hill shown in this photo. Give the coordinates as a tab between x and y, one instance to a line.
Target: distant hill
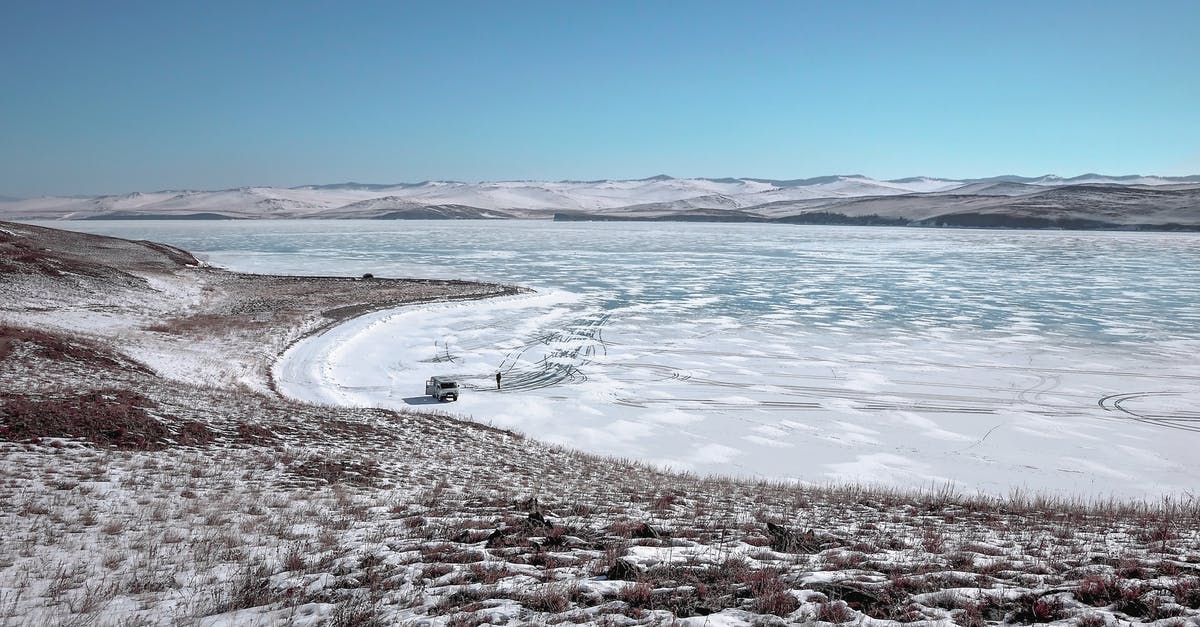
1084	201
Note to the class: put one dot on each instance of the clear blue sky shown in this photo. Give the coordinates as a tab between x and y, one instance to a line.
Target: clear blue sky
109	97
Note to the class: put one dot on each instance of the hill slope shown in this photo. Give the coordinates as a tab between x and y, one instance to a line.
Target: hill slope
1087	201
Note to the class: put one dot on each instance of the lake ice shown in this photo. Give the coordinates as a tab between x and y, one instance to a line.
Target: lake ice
993	360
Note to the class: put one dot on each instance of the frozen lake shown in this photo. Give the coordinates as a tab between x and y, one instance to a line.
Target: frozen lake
1050	360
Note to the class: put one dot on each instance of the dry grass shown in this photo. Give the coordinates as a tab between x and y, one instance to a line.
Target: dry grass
229	527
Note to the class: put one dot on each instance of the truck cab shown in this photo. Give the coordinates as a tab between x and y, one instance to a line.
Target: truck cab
442	388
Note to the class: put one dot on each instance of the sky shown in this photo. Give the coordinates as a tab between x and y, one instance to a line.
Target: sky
113	97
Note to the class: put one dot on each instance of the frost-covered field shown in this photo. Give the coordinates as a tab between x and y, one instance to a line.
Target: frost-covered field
1061	361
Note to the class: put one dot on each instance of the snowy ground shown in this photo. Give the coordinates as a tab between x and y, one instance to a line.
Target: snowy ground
134	496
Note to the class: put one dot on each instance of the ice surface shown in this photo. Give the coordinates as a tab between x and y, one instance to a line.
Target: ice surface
994	360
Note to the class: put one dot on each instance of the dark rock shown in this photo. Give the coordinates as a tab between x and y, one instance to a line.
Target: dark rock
785	540
537	519
854	596
530	505
645	531
499	539
624	570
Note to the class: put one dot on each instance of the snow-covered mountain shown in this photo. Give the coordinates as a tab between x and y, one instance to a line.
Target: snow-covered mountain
543	199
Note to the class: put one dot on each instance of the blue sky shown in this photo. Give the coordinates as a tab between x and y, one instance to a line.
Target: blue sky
110	97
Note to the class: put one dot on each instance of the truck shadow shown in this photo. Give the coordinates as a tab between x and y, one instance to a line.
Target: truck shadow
422	400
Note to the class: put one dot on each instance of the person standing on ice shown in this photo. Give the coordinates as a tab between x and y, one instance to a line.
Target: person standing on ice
497	379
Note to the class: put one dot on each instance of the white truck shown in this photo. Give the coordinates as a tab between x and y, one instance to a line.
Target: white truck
442	388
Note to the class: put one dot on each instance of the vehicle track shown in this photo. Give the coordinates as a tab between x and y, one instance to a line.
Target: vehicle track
570	350
1183	421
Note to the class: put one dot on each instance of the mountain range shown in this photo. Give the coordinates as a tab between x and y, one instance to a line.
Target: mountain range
1086	201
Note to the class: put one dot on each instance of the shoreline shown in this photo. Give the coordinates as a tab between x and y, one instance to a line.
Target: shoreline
367	320
340	315
193	322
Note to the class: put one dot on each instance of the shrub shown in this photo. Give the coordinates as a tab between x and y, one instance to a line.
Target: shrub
1091	620
637	595
483	572
835	612
845	560
251	588
193	433
553	599
982	612
1132	601
681	603
59	348
295	559
960	560
1098	591
433	571
1031	608
255	434
947	600
463	598
1187	592
116	418
338	471
450	553
891	602
777	603
1131	569
356	613
771	594
663	503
